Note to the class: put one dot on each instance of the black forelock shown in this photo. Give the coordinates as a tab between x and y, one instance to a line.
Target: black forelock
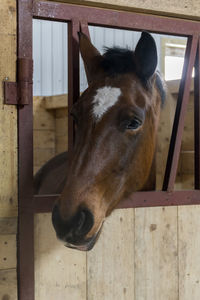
118	60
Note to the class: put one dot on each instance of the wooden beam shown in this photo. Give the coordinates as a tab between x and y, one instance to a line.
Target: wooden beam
170	8
55	102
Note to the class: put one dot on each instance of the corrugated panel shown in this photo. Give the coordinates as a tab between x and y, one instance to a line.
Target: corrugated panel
50	58
50	53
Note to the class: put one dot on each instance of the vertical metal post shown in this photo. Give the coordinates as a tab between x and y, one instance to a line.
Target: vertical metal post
197	118
25	239
84	28
182	101
73	76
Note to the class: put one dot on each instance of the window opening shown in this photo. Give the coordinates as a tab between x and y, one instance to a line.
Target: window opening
50	92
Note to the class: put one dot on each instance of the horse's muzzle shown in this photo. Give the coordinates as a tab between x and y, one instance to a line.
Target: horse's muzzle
73	231
88	245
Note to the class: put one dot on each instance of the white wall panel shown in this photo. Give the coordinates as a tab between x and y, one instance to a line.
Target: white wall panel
64	58
50	58
46	58
50	53
37	57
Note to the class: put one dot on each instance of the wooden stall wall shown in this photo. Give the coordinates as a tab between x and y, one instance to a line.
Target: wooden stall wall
50	128
8	155
44	133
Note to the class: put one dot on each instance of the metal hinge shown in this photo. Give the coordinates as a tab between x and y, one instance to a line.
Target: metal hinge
19	93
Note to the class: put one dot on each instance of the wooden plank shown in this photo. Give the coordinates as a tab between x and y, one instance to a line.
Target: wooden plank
156	256
8	251
44	139
61	143
187	162
188	9
8	162
8	114
187	181
58	101
110	265
41	156
189	259
7	60
8	226
61	113
8	284
184	182
61	126
173	86
60	273
42	119
8	17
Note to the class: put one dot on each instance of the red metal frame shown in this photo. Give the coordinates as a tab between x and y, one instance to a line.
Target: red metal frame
80	16
25	164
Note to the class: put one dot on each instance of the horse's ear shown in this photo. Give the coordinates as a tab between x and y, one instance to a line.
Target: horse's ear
146	56
91	57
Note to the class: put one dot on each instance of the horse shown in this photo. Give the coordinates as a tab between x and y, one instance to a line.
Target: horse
116	119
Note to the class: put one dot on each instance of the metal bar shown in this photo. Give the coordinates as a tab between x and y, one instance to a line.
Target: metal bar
25	80
25	237
73	76
117	19
197	119
160	198
178	126
44	203
84	28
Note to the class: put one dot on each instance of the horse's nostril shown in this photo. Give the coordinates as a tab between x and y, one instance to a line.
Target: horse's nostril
81	220
84	222
76	227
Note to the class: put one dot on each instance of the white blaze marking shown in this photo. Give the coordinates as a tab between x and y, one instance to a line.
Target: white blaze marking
104	99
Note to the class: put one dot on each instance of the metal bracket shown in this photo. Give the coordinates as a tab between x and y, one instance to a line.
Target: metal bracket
19	93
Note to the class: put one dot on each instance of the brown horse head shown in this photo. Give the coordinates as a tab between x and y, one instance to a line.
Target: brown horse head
116	119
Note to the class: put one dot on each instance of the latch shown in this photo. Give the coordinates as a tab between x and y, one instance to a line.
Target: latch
19	93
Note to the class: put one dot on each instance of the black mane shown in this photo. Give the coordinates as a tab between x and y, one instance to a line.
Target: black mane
118	60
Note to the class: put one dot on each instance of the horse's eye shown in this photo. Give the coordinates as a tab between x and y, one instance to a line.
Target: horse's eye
133	124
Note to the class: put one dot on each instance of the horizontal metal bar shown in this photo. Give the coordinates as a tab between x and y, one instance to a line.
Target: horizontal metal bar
44	203
116	19
160	198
